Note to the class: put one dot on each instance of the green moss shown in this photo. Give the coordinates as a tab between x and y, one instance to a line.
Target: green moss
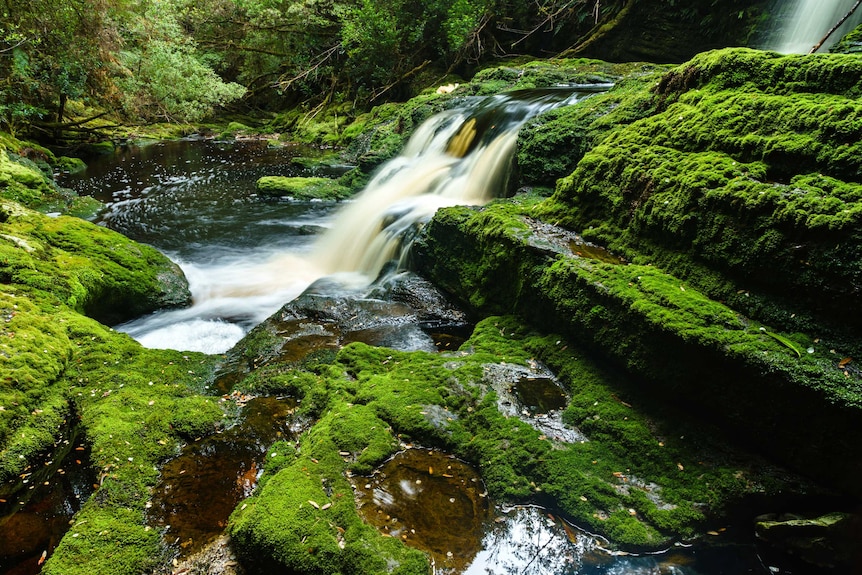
303	516
746	169
22	183
106	541
302	188
628	481
849	44
90	268
552	144
71	165
687	346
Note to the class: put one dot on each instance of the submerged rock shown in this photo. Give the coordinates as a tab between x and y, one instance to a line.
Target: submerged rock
830	541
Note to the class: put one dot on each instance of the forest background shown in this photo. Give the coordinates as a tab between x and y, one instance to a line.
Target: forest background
153	61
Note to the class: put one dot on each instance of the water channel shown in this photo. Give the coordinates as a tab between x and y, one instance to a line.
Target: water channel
246	255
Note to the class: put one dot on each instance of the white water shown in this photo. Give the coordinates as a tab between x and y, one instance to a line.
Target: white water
805	22
456	157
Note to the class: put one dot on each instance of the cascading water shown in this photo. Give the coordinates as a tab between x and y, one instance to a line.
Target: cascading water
801	24
459	156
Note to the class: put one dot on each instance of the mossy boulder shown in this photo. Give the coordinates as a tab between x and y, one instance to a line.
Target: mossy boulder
90	268
741	176
689	348
58	369
26	177
299	188
850	43
22	183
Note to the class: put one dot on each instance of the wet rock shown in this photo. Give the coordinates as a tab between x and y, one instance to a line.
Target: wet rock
534	395
216	558
405	313
830	540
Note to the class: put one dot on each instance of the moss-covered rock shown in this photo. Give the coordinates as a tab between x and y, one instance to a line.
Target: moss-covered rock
300	188
688	347
90	268
552	144
26	177
742	178
849	44
136	407
632	480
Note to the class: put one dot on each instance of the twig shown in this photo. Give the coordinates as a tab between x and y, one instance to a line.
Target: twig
598	31
388	87
285	84
9	49
549	20
838	25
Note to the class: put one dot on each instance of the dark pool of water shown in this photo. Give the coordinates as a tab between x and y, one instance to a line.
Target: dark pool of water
198	490
186	196
36	508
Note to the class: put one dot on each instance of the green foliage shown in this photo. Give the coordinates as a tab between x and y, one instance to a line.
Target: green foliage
171	82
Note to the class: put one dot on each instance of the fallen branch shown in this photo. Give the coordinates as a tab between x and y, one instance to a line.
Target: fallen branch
598	31
384	89
70	125
838	25
322	59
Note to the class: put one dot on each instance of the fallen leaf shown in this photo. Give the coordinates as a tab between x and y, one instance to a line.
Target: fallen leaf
679	465
314	504
325	506
845	361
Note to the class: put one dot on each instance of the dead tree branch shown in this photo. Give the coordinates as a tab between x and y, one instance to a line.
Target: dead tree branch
838	25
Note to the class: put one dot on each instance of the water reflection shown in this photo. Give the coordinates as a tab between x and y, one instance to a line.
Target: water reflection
36	508
200	488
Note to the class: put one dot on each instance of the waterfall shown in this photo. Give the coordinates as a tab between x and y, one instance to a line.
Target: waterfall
457	157
800	24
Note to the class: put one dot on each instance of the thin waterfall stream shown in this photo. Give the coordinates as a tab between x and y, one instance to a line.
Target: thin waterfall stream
801	24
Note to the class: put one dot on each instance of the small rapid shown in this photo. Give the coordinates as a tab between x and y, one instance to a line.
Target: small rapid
245	257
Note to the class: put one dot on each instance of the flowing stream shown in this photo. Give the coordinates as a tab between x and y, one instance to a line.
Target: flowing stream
801	24
245	256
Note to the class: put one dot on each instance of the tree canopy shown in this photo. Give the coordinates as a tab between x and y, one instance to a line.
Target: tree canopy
178	60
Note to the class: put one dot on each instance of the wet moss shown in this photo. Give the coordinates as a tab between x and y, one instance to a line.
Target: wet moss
303	516
850	43
552	144
21	183
90	268
688	347
302	188
628	481
744	178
